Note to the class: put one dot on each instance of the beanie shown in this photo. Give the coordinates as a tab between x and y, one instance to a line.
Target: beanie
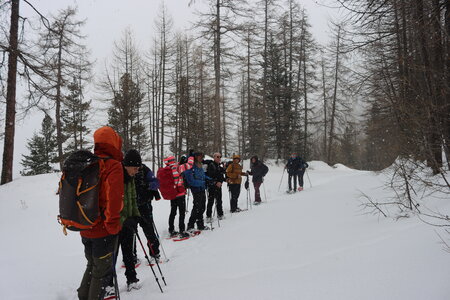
132	159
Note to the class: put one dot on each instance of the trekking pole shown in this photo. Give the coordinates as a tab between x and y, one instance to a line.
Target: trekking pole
264	188
281	179
159	239
150	264
217	214
187	202
213	212
307	175
116	284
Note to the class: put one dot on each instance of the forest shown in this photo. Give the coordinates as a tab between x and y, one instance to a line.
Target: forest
249	78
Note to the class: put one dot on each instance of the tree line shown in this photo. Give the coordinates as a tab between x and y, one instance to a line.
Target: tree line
234	84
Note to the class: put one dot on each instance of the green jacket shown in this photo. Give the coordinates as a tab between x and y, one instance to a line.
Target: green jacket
130	208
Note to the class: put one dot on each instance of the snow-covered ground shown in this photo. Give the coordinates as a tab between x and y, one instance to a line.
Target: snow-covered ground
316	244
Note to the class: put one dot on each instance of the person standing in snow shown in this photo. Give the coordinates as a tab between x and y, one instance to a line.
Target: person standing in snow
100	241
146	190
196	179
258	170
216	173
234	180
296	167
179	202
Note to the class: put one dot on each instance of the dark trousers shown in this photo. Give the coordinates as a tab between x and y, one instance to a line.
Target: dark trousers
179	204
99	269
146	223
197	210
257	185
214	194
235	190
296	176
126	241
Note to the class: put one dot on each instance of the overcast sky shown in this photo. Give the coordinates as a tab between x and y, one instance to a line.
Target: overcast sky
106	21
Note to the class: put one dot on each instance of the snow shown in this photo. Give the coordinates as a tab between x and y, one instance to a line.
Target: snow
316	244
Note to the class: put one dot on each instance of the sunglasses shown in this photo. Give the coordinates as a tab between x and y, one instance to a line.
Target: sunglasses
218	156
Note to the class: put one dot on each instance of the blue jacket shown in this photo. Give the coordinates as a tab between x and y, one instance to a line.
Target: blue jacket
196	179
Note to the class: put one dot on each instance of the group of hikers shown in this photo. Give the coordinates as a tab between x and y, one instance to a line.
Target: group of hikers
126	188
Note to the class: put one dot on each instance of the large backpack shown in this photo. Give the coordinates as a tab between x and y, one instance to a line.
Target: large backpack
79	189
166	183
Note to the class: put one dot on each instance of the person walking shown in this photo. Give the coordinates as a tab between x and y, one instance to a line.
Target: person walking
234	180
99	242
258	170
296	168
216	172
196	180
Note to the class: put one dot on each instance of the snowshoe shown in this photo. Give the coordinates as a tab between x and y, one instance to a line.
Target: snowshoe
110	293
133	285
173	234
300	189
182	236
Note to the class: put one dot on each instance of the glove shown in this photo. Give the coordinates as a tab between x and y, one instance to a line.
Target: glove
246	185
155	194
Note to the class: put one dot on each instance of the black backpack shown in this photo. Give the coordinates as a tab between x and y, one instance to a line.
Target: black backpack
79	189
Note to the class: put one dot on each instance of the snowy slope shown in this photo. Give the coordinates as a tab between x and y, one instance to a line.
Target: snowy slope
316	244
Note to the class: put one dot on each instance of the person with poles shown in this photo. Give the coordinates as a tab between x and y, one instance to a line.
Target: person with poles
296	167
146	190
100	241
234	180
216	172
258	170
196	180
178	196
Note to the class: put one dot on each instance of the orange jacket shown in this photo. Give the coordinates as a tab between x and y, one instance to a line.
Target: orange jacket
108	144
234	173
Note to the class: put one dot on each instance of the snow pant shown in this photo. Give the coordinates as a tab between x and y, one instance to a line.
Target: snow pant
99	269
146	223
300	177
257	185
197	211
214	194
126	241
235	190
179	204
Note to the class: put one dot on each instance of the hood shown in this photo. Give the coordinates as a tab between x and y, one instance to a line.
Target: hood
108	143
254	157
237	156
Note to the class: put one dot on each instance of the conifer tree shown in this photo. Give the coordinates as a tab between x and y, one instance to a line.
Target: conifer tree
43	150
74	116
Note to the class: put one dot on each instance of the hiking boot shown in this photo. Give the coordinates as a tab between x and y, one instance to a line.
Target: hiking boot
257	203
300	189
173	233
221	217
183	235
133	284
238	209
204	228
110	293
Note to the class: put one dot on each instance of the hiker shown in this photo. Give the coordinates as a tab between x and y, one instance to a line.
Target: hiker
129	218
196	180
146	190
175	185
100	241
296	167
258	170
234	180
216	172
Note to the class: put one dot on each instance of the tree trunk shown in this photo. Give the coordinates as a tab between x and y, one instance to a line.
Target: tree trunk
10	117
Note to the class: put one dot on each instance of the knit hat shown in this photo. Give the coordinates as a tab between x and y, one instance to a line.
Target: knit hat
132	159
170	160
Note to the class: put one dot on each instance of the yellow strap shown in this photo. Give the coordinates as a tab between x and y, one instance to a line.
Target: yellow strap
106	256
65	229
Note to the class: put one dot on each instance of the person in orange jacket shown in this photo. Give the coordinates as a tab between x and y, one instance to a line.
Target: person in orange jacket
234	180
100	241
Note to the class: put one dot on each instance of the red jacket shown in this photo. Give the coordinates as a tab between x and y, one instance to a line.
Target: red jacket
108	144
